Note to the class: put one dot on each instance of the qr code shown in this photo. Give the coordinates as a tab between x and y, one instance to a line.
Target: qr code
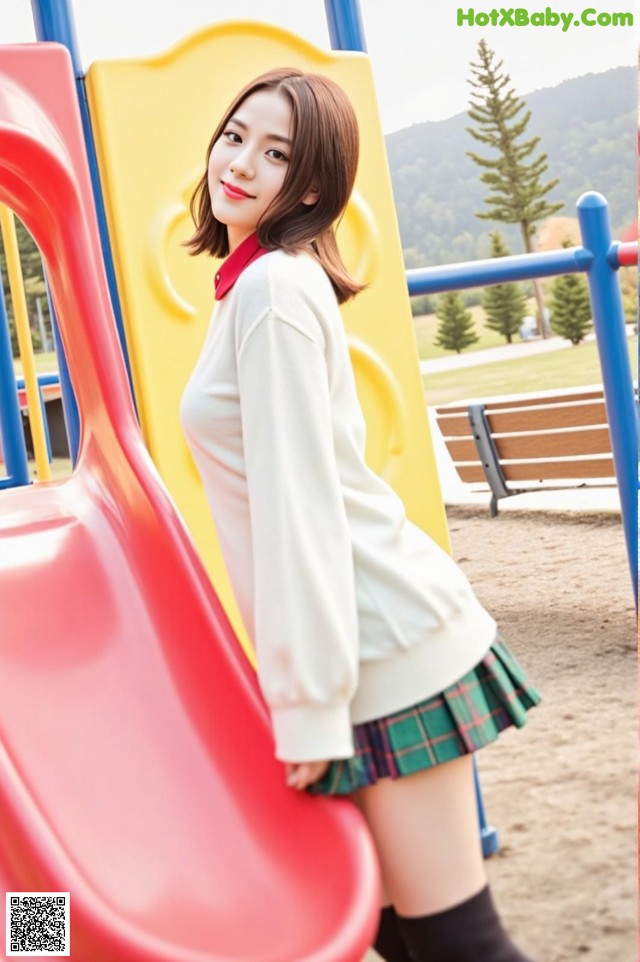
37	923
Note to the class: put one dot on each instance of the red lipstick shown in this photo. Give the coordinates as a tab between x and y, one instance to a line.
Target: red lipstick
235	193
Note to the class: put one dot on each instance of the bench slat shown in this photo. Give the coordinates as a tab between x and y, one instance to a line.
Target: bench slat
530	418
524	447
525	401
563	444
470	472
557	470
455	427
545	419
462	450
473	473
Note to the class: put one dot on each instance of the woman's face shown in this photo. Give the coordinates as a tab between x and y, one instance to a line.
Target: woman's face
248	163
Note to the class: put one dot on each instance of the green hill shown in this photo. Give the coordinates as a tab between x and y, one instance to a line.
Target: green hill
588	129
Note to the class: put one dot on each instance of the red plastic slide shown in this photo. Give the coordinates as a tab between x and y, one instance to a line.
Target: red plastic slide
136	761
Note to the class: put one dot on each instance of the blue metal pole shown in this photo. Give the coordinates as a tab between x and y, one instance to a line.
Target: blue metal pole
344	20
488	834
53	20
13	443
497	270
608	320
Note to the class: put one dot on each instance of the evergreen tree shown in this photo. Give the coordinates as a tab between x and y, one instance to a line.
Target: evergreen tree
455	330
513	176
570	306
504	304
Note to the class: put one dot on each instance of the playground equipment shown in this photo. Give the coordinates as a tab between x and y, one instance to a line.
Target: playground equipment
599	258
116	692
54	22
136	772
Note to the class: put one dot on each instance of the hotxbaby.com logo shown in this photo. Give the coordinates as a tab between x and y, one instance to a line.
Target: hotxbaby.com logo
521	17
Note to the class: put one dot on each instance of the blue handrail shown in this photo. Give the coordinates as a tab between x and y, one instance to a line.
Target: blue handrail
497	270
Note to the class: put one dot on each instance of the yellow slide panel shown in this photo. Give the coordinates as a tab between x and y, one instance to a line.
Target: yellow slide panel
152	120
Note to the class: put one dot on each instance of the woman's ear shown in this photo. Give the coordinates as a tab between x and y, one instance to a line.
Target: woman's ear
311	197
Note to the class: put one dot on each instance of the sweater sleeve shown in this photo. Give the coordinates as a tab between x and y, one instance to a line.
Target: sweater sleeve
306	623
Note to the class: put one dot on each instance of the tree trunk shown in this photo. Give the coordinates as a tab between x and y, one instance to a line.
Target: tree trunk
541	321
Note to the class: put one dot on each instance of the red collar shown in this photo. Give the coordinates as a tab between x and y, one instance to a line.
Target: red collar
229	272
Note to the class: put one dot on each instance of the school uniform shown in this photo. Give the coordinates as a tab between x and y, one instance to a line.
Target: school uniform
372	649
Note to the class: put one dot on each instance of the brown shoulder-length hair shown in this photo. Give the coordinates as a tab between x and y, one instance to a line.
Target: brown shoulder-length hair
323	157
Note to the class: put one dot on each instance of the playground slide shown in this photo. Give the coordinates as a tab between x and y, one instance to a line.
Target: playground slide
136	761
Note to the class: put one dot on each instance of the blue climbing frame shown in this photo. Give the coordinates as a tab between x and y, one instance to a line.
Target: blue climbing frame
599	259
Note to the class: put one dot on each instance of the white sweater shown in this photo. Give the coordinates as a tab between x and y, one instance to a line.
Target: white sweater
354	611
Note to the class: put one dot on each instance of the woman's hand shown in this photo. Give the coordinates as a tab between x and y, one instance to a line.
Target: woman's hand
302	774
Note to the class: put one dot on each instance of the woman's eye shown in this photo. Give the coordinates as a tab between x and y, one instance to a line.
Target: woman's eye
276	154
233	136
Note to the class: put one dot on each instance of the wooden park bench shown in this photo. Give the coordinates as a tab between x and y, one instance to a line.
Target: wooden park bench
531	439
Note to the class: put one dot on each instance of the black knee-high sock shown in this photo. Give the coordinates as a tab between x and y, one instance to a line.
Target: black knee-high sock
388	943
469	932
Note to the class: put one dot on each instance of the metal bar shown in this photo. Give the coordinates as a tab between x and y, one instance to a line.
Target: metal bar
13	443
623	255
488	456
69	403
53	20
42	380
488	834
344	20
608	320
23	331
497	270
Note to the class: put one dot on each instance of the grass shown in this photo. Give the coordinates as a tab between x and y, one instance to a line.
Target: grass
573	367
47	363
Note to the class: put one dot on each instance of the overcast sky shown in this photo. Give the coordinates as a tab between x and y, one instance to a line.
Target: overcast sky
420	55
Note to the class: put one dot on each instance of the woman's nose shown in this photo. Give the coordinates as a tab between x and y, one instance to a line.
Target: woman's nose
242	164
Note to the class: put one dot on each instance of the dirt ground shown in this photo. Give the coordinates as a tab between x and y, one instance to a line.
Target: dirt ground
562	791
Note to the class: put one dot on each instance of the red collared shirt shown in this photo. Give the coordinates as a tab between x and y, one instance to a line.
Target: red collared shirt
229	272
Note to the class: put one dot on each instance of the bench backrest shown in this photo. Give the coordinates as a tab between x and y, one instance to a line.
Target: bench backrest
536	437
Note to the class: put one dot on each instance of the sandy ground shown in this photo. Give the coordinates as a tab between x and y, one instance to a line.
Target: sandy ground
562	791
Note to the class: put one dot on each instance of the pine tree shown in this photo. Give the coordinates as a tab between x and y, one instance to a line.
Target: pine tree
504	304
517	193
455	330
570	306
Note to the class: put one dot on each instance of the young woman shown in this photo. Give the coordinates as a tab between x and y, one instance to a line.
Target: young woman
382	671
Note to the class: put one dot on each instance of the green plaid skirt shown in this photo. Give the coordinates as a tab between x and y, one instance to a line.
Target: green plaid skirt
464	717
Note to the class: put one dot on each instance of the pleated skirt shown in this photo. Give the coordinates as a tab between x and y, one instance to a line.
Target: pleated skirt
466	716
